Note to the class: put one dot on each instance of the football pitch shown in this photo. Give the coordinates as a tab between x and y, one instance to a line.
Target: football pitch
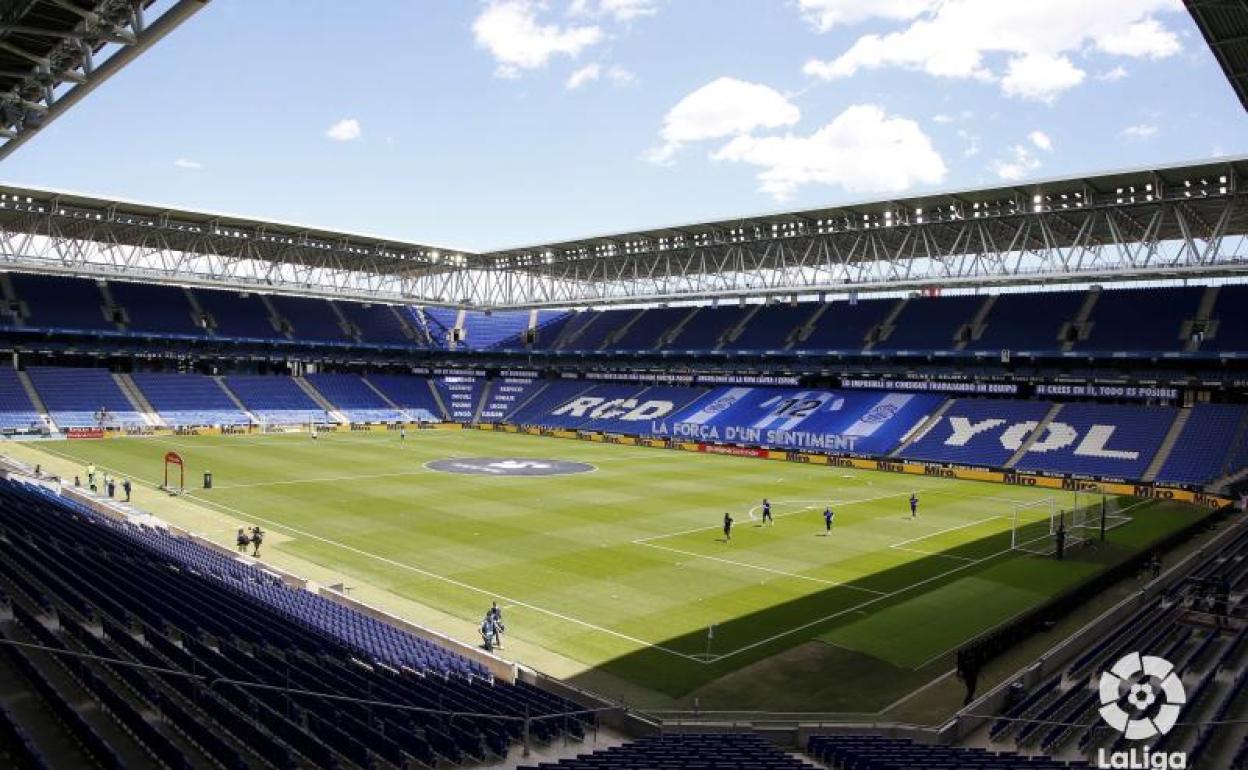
619	578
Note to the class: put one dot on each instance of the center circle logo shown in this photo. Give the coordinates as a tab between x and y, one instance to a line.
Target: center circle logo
508	466
1141	696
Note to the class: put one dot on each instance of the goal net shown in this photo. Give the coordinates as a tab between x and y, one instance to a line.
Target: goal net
1037	524
1033	526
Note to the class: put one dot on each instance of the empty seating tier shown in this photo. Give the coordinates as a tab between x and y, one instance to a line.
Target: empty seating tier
352	396
75	397
189	399
275	399
159	600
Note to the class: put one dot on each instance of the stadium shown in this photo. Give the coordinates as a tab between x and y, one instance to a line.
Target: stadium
946	480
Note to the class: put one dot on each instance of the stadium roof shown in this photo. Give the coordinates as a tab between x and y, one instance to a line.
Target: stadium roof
1173	221
55	52
1224	23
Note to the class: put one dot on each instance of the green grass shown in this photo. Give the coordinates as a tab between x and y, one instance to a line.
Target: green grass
622	570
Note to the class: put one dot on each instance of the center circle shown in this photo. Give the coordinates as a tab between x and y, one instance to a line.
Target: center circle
508	466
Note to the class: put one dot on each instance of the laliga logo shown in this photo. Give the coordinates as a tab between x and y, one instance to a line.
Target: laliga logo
1141	696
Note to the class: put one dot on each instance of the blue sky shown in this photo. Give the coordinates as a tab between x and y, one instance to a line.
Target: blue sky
506	122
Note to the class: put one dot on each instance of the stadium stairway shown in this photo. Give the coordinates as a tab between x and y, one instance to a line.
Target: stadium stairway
139	401
383	397
672	334
321	401
482	399
1078	329
735	332
233	397
975	328
804	331
882	331
35	399
437	399
621	331
1034	436
923	429
1167	444
1204	314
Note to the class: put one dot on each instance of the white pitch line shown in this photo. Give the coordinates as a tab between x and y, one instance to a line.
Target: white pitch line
943	531
838	503
857	607
761	568
322	480
929	553
452	581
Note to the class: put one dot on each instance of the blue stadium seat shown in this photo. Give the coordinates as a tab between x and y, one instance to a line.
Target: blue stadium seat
189	399
378	324
1204	449
1111	440
236	315
771	327
411	394
971	430
931	323
53	302
155	308
845	325
352	396
74	397
275	399
310	319
17	412
1027	322
485	331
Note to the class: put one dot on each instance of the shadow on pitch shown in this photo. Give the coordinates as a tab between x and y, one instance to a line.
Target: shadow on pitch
760	634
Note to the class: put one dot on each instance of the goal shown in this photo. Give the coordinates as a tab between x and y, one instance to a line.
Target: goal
1033	526
1036	524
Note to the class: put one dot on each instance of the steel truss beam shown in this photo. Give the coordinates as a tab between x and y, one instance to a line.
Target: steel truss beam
101	44
1142	225
1135	238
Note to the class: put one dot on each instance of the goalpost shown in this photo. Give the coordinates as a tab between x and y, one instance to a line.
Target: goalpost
1035	524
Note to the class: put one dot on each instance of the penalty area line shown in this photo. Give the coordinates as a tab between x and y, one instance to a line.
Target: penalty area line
760	568
857	607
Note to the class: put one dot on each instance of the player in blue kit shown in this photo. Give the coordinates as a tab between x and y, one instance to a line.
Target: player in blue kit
914	504
767	512
828	515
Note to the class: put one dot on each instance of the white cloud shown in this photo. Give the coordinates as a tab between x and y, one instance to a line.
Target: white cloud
946	117
826	14
1041	140
955	39
1140	131
723	107
616	74
1113	75
1040	77
1144	39
511	32
620	10
621	76
863	150
586	74
345	130
187	163
1018	163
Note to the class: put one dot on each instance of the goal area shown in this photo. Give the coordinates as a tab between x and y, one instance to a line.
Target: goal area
1037	525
